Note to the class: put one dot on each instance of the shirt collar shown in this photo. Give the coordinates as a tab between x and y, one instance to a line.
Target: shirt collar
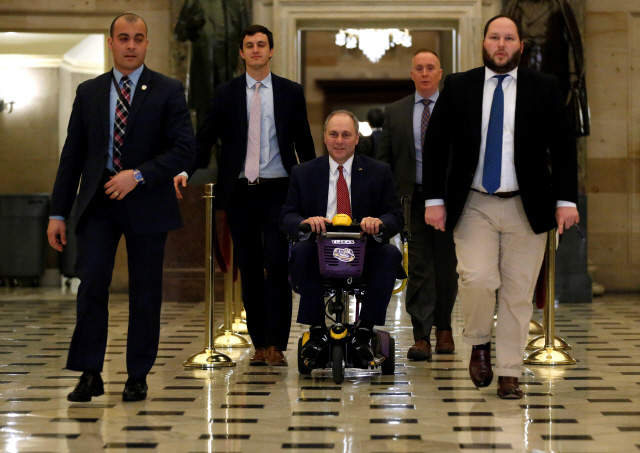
333	165
266	82
488	73
433	97
134	76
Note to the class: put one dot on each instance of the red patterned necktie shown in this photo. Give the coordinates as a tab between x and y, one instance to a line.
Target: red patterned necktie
342	192
120	124
426	114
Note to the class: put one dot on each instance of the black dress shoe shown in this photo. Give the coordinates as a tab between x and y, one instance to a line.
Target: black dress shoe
89	385
135	390
318	339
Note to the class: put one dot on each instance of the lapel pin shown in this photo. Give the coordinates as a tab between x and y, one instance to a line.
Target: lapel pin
144	87
359	169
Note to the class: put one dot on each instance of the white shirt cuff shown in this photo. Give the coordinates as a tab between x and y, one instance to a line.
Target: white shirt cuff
184	173
433	202
565	204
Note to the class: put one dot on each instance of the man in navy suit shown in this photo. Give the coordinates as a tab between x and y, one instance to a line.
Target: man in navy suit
123	153
504	131
315	198
276	128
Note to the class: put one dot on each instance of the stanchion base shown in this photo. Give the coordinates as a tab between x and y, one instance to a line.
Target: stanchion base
539	343
243	315
208	358
535	328
549	356
230	339
239	326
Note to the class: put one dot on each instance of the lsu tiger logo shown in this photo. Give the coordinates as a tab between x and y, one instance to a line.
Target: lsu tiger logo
345	255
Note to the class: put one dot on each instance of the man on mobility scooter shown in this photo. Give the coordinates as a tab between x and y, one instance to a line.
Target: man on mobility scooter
364	190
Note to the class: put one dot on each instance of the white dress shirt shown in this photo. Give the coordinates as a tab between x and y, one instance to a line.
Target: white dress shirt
332	199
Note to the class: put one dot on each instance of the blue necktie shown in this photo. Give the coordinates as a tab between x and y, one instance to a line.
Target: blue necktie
493	152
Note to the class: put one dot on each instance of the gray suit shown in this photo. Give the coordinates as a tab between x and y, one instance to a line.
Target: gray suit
433	282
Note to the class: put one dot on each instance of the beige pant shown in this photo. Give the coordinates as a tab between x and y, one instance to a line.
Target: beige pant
497	250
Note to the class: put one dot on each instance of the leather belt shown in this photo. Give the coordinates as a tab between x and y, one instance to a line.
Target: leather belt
260	181
499	194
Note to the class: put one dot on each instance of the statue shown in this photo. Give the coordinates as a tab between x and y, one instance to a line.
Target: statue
550	34
213	27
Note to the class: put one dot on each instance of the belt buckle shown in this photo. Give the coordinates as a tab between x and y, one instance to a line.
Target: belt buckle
254	183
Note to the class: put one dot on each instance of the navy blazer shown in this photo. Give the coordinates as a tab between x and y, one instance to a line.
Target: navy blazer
158	141
545	153
373	194
227	120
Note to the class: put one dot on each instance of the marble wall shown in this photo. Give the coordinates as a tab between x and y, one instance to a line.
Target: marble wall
613	149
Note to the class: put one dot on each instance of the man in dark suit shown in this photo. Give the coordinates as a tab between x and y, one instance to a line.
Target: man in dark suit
433	282
128	134
505	133
261	142
343	183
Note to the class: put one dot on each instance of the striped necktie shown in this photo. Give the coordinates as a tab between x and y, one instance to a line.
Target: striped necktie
120	124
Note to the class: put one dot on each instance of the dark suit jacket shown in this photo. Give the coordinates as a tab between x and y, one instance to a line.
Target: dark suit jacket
372	194
544	145
227	120
158	141
397	146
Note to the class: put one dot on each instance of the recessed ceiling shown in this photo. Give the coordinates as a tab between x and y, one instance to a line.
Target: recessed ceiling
53	44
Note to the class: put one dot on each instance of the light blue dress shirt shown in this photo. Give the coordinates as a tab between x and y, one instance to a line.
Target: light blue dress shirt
113	100
270	160
418	108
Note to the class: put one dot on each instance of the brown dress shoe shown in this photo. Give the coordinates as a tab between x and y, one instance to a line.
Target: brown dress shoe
508	388
275	357
444	342
480	368
259	358
420	351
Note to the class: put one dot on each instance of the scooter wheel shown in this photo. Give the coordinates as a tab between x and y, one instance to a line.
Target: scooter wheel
336	364
302	368
389	364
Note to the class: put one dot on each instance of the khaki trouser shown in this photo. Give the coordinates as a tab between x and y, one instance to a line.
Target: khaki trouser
497	250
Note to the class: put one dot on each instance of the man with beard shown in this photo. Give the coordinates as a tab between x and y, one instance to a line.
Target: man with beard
505	132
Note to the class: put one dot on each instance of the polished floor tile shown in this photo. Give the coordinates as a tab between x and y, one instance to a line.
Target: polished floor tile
424	407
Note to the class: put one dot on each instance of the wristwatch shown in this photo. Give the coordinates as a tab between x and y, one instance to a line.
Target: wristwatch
138	176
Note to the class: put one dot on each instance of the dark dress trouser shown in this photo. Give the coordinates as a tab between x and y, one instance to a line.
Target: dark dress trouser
381	265
98	233
253	213
433	282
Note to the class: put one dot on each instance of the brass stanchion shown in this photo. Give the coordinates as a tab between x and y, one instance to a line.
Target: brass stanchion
535	328
227	338
209	357
405	236
549	354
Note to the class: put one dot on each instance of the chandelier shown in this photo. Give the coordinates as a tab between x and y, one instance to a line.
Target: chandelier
373	42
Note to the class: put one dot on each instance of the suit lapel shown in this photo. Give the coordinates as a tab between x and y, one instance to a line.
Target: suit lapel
357	182
278	106
476	90
524	101
407	123
323	184
103	101
240	95
139	96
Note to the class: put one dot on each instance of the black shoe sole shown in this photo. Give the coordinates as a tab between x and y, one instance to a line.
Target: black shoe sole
82	398
133	398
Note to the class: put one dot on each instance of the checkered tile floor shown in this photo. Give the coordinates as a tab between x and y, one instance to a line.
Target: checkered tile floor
425	407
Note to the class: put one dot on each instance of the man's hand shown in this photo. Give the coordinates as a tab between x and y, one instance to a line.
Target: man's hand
317	224
370	225
180	180
57	234
566	217
436	216
120	185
